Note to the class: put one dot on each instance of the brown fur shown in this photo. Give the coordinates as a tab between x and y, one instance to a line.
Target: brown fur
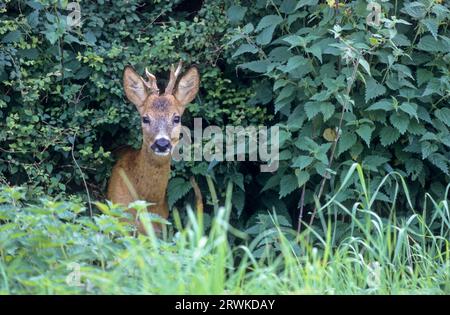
147	171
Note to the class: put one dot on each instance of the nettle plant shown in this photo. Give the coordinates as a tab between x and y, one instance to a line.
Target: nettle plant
345	91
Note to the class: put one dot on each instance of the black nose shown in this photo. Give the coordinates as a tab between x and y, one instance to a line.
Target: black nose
161	145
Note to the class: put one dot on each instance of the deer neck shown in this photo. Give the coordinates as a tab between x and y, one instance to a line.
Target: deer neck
151	175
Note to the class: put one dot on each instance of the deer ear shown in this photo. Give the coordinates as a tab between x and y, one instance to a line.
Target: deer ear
188	87
135	89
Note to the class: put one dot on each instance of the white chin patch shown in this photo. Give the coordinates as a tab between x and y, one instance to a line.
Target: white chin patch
165	153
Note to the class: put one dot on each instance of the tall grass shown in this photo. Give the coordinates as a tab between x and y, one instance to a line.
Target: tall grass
373	255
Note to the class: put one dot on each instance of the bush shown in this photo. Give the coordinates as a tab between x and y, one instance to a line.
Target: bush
62	100
344	91
341	91
51	247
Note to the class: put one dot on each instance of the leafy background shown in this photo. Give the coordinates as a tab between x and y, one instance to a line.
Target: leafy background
340	91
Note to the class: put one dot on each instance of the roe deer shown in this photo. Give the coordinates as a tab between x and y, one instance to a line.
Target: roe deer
143	174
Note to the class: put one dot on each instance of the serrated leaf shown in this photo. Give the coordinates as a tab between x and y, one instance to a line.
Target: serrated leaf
259	66
400	122
365	132
409	108
236	13
413	168
443	115
363	62
428	148
439	161
432	25
293	63
245	48
429	44
383	104
265	37
302	177
177	189
346	141
373	162
11	37
388	135
272	182
373	89
268	20
302	161
288	184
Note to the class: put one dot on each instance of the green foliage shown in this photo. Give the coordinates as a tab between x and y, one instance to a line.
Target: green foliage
344	91
340	91
51	247
61	95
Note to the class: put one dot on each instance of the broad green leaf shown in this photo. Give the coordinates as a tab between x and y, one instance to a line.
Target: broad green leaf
428	148
388	135
177	189
259	66
288	184
443	115
302	161
302	177
365	132
236	13
346	141
373	89
268	20
432	25
439	161
245	48
400	122
409	108
383	104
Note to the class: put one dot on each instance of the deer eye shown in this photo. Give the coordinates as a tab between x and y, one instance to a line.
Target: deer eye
145	120
176	119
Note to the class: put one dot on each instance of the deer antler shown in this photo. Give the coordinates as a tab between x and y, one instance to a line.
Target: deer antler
151	83
173	78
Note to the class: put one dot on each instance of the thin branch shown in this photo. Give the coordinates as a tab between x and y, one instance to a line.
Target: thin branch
82	175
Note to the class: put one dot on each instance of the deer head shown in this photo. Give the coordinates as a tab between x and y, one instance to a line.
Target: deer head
161	114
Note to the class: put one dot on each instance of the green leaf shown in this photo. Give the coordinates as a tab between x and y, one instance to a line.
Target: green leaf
302	177
259	66
236	13
177	189
268	20
413	168
365	132
443	115
383	104
303	161
12	37
439	161
429	44
432	26
271	182
415	9
265	37
346	141
288	184
363	62
427	148
373	162
409	108
245	48
388	135
373	89
423	76
294	63
400	122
